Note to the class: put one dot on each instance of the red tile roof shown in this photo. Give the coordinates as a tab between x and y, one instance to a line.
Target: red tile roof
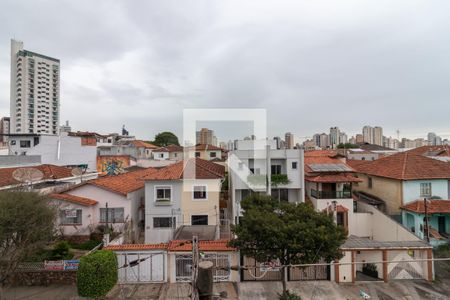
125	247
184	169
320	153
49	171
433	206
169	148
341	177
123	183
142	144
186	245
404	166
443	150
74	199
339	208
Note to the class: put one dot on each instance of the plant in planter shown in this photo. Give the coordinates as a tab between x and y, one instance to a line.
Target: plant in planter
370	269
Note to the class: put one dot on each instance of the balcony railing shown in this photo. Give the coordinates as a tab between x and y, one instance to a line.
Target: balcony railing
331	194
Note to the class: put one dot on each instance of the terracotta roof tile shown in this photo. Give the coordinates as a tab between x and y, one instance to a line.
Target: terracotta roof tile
169	148
49	171
142	144
320	153
341	177
433	206
74	199
186	245
124	247
123	183
443	150
339	208
404	166
205	147
184	169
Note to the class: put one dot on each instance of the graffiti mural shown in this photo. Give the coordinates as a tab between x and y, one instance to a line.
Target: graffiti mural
112	165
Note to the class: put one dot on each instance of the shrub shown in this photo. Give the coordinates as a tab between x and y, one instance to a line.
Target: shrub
61	251
97	274
88	245
289	296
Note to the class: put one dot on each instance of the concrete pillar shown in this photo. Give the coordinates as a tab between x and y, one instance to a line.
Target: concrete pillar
385	266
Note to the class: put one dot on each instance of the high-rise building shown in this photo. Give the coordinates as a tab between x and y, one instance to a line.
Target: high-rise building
343	139
4	129
206	136
324	141
34	91
334	137
367	134
433	139
359	138
378	136
289	140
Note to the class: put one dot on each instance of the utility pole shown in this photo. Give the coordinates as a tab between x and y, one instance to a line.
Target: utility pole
426	230
195	259
106	235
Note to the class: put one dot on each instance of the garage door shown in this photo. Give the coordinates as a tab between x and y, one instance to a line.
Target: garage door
140	267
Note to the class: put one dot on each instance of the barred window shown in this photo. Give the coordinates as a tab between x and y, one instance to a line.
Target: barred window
425	189
115	215
70	216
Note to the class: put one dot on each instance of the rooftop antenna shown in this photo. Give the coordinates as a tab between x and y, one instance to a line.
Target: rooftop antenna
27	175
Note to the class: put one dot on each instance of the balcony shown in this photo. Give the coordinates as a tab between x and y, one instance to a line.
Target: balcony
331	194
163	202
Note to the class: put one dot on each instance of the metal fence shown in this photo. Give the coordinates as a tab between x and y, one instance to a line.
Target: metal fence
221	264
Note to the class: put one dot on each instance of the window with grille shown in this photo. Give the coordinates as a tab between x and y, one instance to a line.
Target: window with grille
115	214
425	189
70	216
163	222
199	192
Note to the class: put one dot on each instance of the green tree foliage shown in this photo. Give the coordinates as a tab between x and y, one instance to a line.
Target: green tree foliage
165	138
97	274
291	233
27	223
347	146
61	251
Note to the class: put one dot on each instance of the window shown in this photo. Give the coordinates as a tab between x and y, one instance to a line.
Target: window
115	215
294	165
35	141
70	216
13	143
425	189
163	193
199	220
340	219
164	222
25	144
212	154
276	169
256	171
369	182
199	192
197	154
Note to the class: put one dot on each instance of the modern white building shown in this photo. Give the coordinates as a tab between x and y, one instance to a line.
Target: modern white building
34	91
59	150
256	167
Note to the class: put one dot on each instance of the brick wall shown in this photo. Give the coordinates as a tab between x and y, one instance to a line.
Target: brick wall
43	278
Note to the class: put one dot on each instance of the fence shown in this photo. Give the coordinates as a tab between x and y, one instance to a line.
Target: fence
221	265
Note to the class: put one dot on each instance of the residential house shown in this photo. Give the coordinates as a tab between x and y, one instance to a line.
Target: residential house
117	200
183	198
137	149
402	178
170	152
414	217
59	150
372	236
441	152
257	166
204	151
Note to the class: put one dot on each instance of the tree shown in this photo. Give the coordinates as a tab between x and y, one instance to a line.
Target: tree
166	138
291	233
27	222
97	273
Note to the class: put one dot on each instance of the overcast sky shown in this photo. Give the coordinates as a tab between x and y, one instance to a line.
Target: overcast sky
311	64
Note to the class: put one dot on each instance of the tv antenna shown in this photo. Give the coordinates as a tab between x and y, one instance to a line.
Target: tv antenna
27	175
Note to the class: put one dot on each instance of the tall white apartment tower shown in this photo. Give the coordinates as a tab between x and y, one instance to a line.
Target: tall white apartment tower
34	102
378	135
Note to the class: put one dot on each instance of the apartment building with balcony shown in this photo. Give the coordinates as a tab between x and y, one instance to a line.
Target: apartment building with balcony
257	166
34	91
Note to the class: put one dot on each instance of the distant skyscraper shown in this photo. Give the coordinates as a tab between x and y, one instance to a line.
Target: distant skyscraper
378	136
278	142
206	136
289	140
34	91
367	134
433	139
343	139
334	137
65	128
359	138
324	140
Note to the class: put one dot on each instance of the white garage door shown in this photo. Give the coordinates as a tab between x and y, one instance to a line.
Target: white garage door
137	267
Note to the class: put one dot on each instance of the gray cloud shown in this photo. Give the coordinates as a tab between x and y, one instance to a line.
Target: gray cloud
311	64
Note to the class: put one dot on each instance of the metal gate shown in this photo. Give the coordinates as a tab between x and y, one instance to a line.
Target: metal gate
259	272
407	269
140	267
221	265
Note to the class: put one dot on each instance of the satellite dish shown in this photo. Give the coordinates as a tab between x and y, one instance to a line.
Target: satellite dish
77	171
27	174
